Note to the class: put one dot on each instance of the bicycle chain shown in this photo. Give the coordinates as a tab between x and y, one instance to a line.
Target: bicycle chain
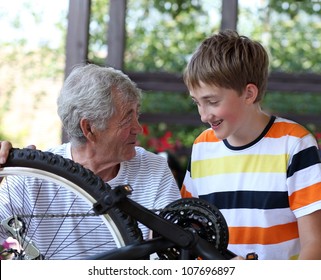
73	215
57	215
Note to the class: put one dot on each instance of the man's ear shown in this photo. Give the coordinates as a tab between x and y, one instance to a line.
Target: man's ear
87	129
250	93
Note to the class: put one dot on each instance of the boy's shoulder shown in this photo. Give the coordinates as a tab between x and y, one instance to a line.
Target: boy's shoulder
283	126
207	135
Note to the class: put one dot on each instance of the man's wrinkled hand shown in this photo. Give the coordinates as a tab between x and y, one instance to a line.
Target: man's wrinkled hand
5	147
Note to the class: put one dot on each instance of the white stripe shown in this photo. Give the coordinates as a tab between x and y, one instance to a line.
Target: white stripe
244	217
240	181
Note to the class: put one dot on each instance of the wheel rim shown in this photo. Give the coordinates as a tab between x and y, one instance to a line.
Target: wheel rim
78	194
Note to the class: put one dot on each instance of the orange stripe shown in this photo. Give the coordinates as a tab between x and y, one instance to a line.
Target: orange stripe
185	193
206	136
278	129
305	196
257	235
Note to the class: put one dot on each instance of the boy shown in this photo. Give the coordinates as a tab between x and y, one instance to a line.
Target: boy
263	172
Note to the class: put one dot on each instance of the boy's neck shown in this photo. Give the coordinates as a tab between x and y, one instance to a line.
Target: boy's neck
252	130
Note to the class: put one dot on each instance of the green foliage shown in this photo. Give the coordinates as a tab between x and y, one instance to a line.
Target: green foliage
161	34
301	103
290	30
160	37
295	43
293	7
158	102
98	31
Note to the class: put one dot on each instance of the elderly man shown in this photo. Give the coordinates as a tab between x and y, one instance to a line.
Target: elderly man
99	110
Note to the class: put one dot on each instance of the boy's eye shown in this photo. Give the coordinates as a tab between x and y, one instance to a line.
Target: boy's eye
212	102
195	102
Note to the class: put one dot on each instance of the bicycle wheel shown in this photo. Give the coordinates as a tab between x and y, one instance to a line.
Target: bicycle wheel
46	203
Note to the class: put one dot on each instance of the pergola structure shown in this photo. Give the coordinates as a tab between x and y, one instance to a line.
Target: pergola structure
77	50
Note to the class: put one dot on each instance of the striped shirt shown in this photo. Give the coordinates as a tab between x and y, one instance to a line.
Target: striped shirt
261	188
148	174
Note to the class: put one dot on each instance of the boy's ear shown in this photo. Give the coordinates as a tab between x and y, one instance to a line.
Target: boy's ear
250	93
86	129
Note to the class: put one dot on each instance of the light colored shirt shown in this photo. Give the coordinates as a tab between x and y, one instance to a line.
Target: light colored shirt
148	174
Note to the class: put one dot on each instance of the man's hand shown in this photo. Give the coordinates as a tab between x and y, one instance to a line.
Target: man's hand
5	147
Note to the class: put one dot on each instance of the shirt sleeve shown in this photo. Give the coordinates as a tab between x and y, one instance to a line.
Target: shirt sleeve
304	177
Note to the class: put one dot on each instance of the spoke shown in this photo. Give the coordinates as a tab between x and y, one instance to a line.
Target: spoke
57	249
79	238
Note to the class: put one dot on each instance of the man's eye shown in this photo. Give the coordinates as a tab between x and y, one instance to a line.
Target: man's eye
128	120
125	122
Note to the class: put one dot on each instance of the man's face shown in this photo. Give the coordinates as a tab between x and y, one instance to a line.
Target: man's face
117	142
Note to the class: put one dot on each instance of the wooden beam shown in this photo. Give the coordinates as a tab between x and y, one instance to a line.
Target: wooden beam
295	82
189	119
158	81
116	33
278	81
192	119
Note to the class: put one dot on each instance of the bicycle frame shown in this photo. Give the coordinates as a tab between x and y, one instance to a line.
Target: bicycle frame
170	234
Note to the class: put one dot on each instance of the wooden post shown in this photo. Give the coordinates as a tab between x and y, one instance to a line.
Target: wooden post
77	33
116	35
229	14
77	37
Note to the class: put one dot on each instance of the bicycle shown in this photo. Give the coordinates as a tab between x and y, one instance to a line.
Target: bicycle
188	228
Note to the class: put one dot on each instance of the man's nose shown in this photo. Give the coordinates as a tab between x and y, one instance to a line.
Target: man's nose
137	127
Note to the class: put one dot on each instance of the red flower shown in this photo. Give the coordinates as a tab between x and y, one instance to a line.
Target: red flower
157	140
145	129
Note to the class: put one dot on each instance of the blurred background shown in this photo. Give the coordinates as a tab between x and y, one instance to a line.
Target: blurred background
160	37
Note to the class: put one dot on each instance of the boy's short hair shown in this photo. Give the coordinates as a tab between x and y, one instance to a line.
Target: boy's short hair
230	61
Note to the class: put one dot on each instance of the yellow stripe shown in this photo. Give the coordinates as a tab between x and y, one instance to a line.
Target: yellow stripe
239	164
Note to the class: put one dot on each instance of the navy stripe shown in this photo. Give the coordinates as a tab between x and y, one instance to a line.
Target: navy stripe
248	199
304	159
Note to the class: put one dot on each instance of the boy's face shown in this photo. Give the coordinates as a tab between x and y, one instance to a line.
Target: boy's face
225	110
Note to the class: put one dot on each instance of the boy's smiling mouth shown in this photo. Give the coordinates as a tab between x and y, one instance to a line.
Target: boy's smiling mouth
216	124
